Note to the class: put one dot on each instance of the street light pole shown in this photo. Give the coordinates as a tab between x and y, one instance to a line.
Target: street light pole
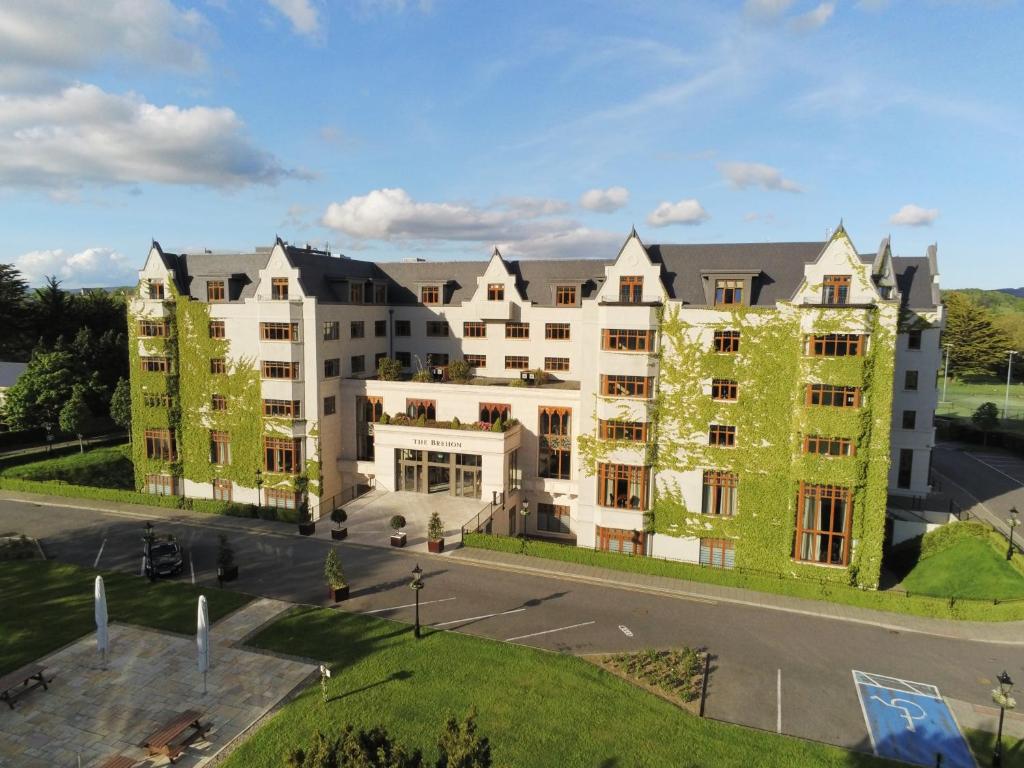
416	586
259	491
525	513
1001	696
1013	522
1006	400
945	374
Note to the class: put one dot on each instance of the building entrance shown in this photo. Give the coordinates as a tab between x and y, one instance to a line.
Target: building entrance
456	474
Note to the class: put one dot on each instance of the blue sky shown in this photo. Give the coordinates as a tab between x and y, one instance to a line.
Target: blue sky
398	128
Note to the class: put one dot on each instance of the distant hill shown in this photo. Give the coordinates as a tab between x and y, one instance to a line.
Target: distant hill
1018	292
1004	301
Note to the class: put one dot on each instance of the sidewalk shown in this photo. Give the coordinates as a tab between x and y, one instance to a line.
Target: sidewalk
1002	633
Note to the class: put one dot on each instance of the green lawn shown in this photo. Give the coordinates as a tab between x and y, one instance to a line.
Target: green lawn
537	708
965	397
982	743
45	605
970	568
107	467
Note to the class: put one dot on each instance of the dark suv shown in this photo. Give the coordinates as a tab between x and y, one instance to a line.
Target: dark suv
166	556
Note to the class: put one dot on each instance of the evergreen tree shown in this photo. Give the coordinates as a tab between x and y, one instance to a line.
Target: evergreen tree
461	746
121	405
13	314
976	345
986	418
75	415
51	313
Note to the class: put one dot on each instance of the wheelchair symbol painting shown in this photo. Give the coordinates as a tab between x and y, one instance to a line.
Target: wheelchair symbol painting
906	708
910	721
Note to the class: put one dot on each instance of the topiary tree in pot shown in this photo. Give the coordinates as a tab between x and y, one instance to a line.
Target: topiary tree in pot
435	533
226	568
398	537
334	574
338	517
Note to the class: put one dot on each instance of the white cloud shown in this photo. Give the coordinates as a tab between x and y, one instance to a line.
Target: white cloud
86	135
914	216
815	18
92	267
605	200
743	175
39	37
766	8
576	243
304	18
688	211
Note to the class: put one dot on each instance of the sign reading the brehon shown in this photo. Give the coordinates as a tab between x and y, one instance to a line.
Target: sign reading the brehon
432	443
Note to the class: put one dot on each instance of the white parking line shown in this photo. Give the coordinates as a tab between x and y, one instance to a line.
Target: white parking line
548	631
778	703
408	605
625	630
191	568
475	618
994	468
100	553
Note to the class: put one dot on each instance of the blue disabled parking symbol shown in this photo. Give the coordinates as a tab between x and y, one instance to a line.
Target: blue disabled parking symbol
911	722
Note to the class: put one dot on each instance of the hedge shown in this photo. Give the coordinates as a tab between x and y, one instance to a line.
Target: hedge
896	602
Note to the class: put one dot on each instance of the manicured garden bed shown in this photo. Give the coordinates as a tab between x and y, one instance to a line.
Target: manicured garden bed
676	674
537	708
45	605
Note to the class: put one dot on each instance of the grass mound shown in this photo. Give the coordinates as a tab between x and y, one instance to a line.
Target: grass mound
968	568
107	467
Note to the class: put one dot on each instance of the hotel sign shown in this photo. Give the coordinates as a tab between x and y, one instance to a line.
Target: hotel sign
435	443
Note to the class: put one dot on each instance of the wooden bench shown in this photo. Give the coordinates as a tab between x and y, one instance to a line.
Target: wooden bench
21	681
120	761
174	736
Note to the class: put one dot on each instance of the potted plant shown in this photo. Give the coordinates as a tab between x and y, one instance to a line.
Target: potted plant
435	533
398	537
226	568
334	574
339	516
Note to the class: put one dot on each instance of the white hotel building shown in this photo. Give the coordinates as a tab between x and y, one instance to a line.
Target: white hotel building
593	325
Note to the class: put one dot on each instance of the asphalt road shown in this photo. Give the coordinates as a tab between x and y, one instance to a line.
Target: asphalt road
771	668
993	477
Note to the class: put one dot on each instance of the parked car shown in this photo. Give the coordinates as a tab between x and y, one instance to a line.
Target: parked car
167	557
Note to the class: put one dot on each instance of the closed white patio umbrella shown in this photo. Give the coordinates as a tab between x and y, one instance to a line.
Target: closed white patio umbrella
102	632
203	638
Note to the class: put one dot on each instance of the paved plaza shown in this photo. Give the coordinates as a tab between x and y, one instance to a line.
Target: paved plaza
150	677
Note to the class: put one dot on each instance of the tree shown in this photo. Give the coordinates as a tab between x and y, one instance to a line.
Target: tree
986	418
459	371
40	393
356	749
977	346
460	745
121	406
334	574
74	417
13	314
388	369
51	312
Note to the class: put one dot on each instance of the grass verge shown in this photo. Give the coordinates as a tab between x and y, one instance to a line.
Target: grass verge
970	568
45	605
895	602
537	708
982	743
107	467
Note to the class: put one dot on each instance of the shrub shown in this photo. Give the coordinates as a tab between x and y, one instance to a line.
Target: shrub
435	528
459	371
422	375
460	745
385	419
338	516
540	376
516	383
496	426
388	369
421	420
397	523
334	574
225	553
456	424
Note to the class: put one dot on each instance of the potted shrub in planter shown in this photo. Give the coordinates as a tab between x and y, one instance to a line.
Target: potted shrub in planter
226	568
338	517
398	537
307	527
435	533
334	574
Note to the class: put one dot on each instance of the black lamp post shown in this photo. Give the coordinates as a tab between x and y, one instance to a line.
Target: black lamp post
416	586
147	538
259	490
1001	696
1013	522
524	512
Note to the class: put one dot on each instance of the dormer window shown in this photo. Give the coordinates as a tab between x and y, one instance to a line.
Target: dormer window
496	292
728	292
836	289
631	289
430	294
214	290
565	296
279	288
380	294
355	293
156	289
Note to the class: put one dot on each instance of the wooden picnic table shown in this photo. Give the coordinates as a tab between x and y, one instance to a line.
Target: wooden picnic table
120	761
174	735
21	681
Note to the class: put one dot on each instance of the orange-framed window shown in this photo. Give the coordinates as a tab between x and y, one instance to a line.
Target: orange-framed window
553	518
616	385
438	328
416	407
728	292
565	296
829	446
215	290
475	361
156	401
279	288
218	365
516	362
279	369
622	486
430	294
717	553
159	444
554	430
495	291
556	364
824	514
835	289
220	448
557	331
221	489
631	289
216	329
726	341
515	330
218	403
722	435
153	329
155	364
282	454
724	389
160	485
836	345
833	396
621	540
280	498
286	408
156	289
719	495
279	331
492	412
474	330
627	339
612	429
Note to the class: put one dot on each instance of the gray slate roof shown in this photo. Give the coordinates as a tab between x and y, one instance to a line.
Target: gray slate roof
9	373
914	280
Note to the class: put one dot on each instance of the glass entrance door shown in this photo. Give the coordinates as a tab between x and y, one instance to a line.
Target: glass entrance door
467	482
438	472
